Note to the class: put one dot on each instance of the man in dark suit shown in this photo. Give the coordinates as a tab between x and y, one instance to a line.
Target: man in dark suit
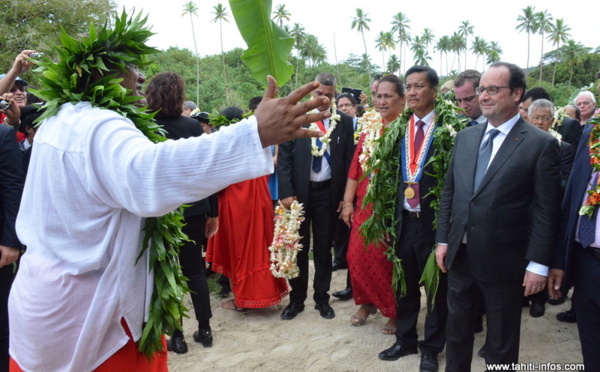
497	222
11	187
578	255
318	182
570	129
415	229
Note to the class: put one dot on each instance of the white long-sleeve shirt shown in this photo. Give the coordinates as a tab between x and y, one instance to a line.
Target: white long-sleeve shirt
92	178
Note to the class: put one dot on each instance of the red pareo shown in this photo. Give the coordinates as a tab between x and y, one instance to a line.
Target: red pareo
370	270
240	249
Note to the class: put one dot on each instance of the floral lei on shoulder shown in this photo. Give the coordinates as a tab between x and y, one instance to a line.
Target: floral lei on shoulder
371	124
384	168
325	140
593	199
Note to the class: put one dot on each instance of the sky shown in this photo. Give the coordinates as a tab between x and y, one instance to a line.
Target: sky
330	21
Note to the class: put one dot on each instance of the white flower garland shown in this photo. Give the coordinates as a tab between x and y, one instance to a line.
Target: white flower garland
372	124
286	241
333	119
555	134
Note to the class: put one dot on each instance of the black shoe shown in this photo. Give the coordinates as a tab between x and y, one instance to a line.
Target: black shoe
292	310
559	301
478	324
224	292
481	352
339	266
536	310
325	310
429	363
177	345
204	337
344	294
396	352
567	316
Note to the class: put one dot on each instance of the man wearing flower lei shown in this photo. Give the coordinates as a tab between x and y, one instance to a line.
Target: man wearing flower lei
498	220
100	263
415	229
314	172
578	254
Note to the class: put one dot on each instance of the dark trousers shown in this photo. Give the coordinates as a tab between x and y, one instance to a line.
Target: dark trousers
413	248
341	236
586	303
502	310
6	279
320	213
194	268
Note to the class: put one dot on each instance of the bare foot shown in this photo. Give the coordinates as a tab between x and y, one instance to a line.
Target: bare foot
230	305
390	327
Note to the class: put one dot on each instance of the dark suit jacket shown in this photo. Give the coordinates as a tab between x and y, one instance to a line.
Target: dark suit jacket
183	127
11	186
426	183
567	155
570	130
294	163
512	218
574	193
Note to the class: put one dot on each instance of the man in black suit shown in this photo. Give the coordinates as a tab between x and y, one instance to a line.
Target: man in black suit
11	187
466	98
578	255
570	129
497	222
415	229
318	182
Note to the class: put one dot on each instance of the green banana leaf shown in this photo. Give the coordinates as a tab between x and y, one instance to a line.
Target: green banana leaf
268	44
431	280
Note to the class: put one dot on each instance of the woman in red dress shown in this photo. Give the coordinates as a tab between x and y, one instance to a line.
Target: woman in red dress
370	270
240	248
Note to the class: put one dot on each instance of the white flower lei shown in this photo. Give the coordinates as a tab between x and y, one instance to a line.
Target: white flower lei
372	125
286	241
555	134
333	119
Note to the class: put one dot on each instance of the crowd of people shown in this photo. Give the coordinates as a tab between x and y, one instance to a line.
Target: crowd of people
515	223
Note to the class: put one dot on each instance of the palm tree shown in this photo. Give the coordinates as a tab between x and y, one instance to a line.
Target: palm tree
544	24
479	48
443	46
465	29
400	25
422	57
528	24
220	13
381	46
572	54
299	36
313	51
393	63
191	9
361	23
493	53
559	33
457	45
280	14
427	38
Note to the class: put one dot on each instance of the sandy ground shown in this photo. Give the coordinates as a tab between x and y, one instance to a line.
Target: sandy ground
258	340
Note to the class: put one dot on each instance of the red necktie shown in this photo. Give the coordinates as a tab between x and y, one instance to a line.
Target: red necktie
418	138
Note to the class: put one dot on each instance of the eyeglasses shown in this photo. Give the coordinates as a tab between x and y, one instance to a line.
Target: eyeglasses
545	119
490	90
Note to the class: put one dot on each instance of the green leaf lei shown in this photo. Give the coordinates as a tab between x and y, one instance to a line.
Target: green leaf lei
384	168
85	72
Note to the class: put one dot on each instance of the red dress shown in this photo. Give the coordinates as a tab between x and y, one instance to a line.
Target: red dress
240	249
370	270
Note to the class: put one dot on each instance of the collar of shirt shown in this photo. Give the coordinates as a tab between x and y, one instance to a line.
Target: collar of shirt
325	121
504	128
428	119
481	119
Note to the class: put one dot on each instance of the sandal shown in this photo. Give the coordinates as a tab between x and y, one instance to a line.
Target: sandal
230	305
388	329
358	320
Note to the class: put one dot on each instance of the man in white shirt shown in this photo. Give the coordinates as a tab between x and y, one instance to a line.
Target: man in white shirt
82	294
464	91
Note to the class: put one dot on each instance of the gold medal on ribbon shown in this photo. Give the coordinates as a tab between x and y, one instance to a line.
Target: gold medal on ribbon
409	192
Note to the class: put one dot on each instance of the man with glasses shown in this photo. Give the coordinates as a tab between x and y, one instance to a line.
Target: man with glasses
502	194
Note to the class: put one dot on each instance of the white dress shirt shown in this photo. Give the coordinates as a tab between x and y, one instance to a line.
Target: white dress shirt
325	173
92	178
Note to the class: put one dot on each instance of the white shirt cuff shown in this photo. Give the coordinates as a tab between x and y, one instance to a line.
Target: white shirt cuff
537	268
